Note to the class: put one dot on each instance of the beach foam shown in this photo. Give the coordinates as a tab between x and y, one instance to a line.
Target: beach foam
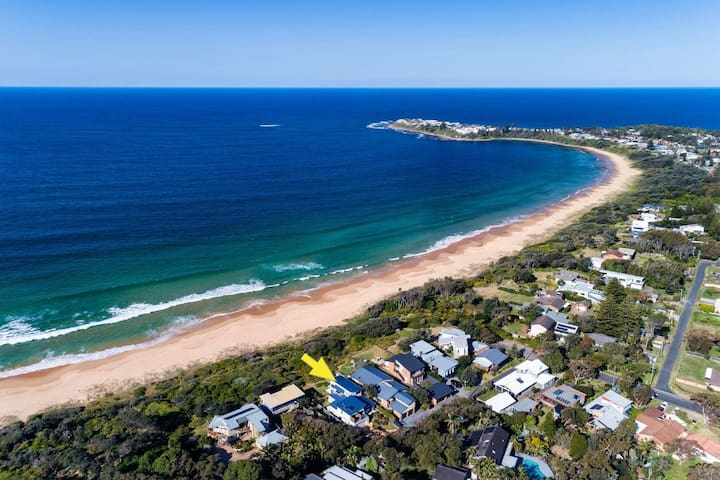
21	334
288	267
52	361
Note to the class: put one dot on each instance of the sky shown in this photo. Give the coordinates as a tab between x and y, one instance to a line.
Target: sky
368	43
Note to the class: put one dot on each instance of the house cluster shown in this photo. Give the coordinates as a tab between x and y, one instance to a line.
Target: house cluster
554	307
388	384
660	428
253	423
518	384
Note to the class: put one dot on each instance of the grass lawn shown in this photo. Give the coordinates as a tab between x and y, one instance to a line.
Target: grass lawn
706	318
679	471
488	395
515	328
693	368
711	293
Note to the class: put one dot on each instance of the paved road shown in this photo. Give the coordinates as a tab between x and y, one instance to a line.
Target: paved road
662	387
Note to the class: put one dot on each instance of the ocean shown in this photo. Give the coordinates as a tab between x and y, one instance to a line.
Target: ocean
129	215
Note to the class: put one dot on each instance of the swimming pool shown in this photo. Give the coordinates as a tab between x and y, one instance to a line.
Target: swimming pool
532	469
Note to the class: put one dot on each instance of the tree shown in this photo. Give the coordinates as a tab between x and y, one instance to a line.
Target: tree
642	394
243	470
548	426
578	445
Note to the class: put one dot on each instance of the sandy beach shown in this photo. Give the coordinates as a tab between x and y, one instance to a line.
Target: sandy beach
24	395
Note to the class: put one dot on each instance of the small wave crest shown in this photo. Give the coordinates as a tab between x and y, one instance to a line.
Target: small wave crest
52	361
449	240
21	334
288	267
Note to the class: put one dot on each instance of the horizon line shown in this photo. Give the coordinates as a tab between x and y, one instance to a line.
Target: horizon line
330	87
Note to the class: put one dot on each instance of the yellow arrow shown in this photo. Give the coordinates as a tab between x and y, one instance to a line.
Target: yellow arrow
319	367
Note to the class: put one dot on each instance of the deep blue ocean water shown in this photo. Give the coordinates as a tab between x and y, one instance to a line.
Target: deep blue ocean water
127	214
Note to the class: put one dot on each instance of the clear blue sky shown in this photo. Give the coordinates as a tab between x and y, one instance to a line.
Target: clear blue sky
478	43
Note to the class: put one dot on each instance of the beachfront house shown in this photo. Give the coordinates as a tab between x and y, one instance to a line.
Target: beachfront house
490	359
284	400
608	410
626	280
247	422
343	387
369	376
405	367
528	374
455	341
354	410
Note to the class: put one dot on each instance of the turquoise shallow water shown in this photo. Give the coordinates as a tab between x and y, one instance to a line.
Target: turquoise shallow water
130	214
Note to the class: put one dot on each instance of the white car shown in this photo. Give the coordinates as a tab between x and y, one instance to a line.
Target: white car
663	406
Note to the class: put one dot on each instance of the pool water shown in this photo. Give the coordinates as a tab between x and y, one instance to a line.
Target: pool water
532	469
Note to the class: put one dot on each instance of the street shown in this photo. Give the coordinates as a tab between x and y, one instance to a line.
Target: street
662	386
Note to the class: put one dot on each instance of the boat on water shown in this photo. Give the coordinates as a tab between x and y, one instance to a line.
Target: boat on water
269	125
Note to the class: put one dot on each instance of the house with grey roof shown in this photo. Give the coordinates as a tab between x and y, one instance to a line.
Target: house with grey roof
494	443
421	347
490	360
393	396
608	410
446	472
439	392
247	422
560	397
439	363
369	375
525	405
600	339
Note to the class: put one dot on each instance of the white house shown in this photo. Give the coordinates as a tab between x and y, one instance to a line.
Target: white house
583	289
626	280
454	340
500	402
541	325
692	229
248	421
354	410
639	226
528	374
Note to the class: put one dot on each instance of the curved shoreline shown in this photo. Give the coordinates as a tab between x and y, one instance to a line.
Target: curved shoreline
297	314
